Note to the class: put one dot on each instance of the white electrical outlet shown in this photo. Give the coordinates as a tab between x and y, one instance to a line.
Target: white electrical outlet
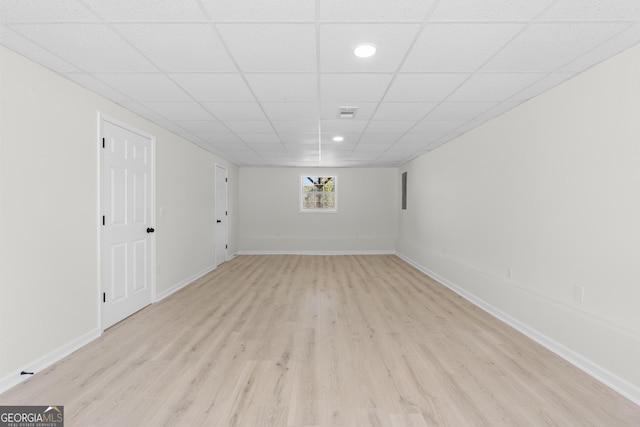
578	294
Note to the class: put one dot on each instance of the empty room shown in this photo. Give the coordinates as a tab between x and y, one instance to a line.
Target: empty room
320	213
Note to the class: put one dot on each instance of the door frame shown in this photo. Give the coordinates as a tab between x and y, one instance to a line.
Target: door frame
102	117
226	208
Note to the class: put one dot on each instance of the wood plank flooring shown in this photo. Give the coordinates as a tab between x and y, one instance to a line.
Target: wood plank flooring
289	340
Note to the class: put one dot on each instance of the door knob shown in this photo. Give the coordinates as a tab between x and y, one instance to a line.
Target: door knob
218	220
150	230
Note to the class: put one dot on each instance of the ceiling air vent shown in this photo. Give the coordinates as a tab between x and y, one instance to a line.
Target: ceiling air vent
347	112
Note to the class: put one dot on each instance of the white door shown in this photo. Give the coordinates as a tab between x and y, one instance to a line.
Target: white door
221	214
127	239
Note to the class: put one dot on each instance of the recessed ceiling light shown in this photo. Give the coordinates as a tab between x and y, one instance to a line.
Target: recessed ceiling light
364	51
338	138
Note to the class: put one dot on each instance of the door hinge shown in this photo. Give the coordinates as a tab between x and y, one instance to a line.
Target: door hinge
104	297
102	142
103	220
225	213
226	246
226	180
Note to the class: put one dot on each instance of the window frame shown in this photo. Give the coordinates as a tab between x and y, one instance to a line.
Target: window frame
301	194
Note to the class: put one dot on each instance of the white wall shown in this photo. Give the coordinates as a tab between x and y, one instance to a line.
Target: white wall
49	219
233	208
186	213
270	218
543	199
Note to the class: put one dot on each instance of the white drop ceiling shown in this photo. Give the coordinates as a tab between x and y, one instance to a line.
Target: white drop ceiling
259	82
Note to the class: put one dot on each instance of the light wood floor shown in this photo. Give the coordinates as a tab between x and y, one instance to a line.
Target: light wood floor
319	341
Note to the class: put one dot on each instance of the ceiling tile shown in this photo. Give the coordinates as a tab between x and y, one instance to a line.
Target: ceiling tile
615	45
495	111
241	148
202	127
390	125
624	10
349	138
329	110
299	154
374	146
380	137
235	110
222	146
284	87
423	137
494	86
366	154
373	10
145	87
272	47
44	10
260	10
459	111
429	129
296	127
299	139
348	162
196	140
337	42
403	110
423	87
180	110
267	150
400	156
541	85
343	126
277	161
263	67
183	47
170	126
224	140
458	47
157	10
416	138
488	10
418	142
246	157
546	47
338	146
94	85
291	110
214	86
441	141
106	53
249	126
18	43
144	111
260	138
354	87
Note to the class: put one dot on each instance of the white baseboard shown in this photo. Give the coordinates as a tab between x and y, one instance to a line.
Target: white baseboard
48	359
175	288
620	385
381	252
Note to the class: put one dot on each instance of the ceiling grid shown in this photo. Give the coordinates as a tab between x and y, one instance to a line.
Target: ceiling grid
260	82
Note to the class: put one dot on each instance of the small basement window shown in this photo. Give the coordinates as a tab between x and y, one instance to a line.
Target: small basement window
318	194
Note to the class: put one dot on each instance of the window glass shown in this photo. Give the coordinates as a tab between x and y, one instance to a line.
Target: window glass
318	193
